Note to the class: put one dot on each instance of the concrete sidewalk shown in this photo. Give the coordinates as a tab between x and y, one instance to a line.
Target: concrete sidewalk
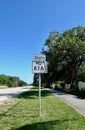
77	103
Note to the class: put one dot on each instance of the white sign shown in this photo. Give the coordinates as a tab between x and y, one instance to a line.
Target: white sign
40	58
39	67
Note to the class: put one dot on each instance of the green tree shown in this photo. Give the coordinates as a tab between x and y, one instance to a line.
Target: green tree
22	83
81	73
35	79
11	81
65	53
3	79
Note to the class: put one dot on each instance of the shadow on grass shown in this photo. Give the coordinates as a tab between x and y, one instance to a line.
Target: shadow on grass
34	93
45	125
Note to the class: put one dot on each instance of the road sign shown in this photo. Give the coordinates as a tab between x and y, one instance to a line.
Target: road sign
40	58
39	67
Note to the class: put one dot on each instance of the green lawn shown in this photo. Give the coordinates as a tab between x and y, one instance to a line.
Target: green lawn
21	113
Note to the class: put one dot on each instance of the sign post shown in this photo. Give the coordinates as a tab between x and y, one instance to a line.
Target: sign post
39	94
39	65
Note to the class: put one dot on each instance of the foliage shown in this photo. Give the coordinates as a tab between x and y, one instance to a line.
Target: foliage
81	73
83	89
11	81
65	52
35	80
3	79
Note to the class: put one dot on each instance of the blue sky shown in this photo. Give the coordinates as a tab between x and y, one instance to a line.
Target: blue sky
26	24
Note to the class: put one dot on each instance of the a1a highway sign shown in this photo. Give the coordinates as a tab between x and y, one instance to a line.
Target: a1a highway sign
39	67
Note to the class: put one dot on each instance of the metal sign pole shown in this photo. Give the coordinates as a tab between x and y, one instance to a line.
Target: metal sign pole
39	66
39	94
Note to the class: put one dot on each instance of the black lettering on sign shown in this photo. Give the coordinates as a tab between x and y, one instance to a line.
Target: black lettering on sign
35	68
42	68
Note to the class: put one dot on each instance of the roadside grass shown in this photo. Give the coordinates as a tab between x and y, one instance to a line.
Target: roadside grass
21	113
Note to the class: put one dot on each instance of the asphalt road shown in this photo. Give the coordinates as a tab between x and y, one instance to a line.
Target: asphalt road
7	93
77	103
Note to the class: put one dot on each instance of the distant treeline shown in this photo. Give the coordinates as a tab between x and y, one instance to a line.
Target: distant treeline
11	81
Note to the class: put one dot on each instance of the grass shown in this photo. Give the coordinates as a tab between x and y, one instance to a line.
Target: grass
21	113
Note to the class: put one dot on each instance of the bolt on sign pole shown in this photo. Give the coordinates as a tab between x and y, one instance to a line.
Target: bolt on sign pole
39	94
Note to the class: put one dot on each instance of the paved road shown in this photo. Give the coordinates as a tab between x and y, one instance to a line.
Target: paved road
7	93
77	103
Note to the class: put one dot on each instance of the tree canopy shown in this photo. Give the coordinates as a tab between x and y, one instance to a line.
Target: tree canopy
11	81
65	53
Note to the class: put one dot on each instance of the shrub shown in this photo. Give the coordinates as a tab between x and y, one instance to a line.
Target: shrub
62	85
83	89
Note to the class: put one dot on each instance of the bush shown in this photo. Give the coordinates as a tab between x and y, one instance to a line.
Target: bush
62	85
83	89
56	87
